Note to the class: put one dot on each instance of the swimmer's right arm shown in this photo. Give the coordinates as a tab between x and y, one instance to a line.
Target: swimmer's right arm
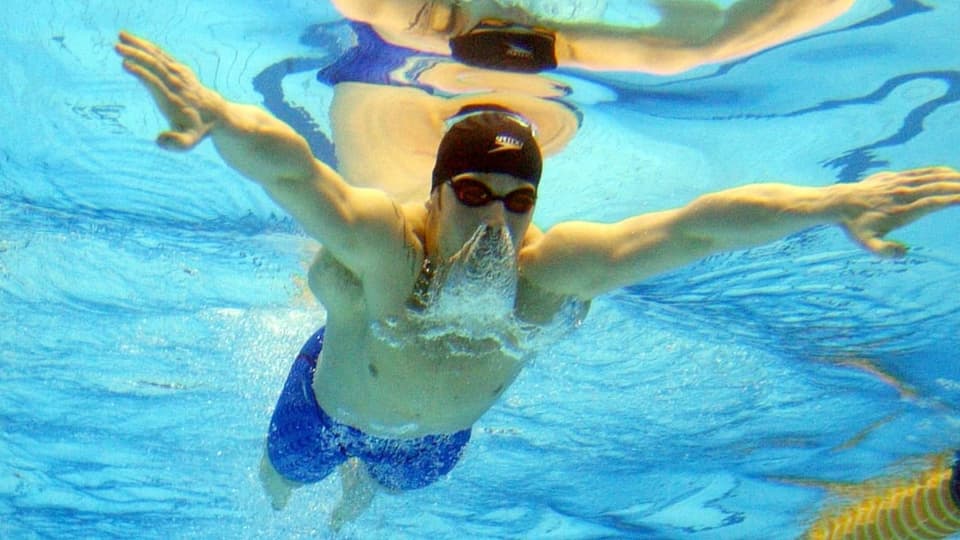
694	33
356	225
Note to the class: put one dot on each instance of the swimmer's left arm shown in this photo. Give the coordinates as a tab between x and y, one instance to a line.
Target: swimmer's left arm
587	259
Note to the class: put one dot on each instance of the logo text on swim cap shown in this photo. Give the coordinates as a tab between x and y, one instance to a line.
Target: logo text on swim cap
506	142
517	51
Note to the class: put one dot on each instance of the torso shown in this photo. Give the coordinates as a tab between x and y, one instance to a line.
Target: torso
411	387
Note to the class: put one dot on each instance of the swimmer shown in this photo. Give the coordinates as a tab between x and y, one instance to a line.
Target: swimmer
392	409
508	35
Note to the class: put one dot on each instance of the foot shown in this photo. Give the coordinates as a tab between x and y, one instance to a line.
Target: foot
277	488
358	492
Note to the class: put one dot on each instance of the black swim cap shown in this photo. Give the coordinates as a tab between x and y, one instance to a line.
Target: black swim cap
507	47
488	138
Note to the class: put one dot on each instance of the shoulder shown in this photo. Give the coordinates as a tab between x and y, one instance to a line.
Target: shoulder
415	217
570	258
532	236
541	249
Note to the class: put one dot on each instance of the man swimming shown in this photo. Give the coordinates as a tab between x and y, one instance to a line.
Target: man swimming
390	388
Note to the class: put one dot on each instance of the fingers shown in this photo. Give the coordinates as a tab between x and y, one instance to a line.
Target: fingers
130	39
935	181
142	57
145	67
129	42
916	177
135	49
936	193
931	171
932	203
917	190
146	76
174	87
887	248
167	101
869	228
884	248
136	57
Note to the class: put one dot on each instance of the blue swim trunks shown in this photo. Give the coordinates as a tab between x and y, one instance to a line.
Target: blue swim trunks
306	445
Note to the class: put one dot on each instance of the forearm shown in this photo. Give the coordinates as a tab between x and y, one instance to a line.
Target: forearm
758	214
259	146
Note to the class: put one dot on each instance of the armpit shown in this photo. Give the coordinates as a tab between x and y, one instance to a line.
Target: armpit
333	283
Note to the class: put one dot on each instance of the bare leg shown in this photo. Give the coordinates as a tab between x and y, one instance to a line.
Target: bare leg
276	486
358	492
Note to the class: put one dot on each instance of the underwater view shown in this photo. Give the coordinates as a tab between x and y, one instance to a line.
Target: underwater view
780	383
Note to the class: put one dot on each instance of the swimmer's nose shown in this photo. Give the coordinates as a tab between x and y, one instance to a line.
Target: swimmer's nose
497	233
495	215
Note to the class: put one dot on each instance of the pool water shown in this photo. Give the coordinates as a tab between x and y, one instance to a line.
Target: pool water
151	302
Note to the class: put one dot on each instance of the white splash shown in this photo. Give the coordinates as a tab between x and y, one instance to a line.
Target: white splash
469	305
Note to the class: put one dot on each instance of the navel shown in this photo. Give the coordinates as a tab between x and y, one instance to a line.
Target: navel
373	370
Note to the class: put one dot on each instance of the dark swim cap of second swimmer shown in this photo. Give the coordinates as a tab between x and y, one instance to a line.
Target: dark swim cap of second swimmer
489	139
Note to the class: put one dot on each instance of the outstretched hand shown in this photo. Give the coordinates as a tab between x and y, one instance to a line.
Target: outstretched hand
889	200
188	105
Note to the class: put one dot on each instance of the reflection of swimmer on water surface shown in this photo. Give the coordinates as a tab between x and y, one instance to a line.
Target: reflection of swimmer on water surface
506	35
373	60
386	76
402	127
368	395
392	103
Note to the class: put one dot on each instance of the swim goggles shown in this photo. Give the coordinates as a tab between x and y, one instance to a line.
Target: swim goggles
474	193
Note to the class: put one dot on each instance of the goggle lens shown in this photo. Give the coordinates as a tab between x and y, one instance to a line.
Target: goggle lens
474	193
